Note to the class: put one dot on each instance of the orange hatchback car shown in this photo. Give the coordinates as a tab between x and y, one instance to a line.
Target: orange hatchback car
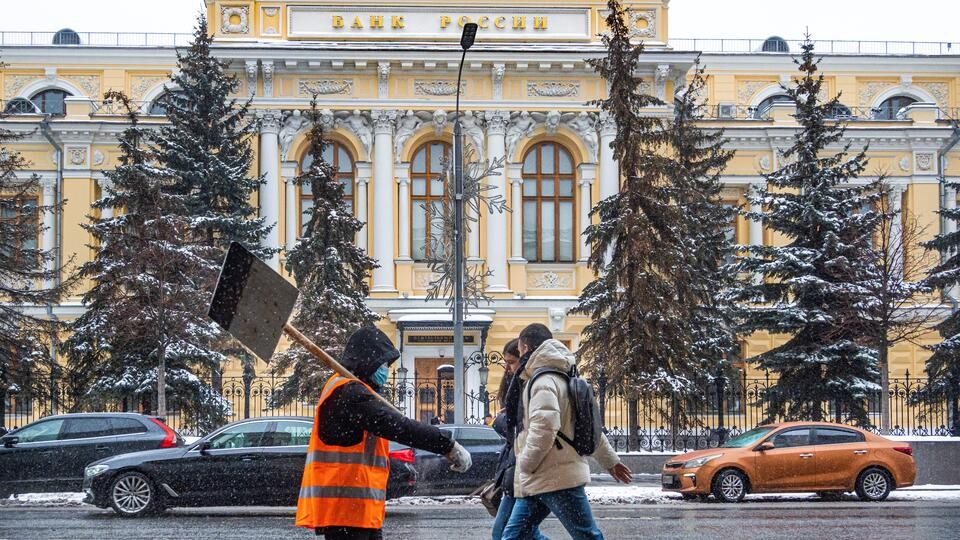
821	457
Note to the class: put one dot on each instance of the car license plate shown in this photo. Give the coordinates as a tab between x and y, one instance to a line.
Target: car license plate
668	480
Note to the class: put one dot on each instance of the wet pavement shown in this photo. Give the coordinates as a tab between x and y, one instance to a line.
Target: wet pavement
756	519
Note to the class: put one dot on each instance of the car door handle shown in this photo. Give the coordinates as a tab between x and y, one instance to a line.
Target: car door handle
249	457
805	456
859	452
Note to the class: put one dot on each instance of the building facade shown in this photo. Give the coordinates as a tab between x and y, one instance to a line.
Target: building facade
385	75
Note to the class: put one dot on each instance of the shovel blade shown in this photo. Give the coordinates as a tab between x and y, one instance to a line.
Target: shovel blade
252	302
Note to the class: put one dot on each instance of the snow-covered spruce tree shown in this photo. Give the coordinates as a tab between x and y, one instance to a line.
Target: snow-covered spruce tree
644	300
26	280
331	273
699	158
813	289
943	366
145	333
206	150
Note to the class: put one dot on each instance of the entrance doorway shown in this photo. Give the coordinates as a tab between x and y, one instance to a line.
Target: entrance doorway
435	391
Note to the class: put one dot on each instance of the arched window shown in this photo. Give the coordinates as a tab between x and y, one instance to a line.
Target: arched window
841	112
548	204
427	187
890	107
51	102
762	112
20	106
158	107
339	158
775	44
66	37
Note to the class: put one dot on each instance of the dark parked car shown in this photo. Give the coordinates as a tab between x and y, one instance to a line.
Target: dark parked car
251	462
434	474
50	454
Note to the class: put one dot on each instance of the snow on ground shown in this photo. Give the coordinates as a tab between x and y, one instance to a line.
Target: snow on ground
43	499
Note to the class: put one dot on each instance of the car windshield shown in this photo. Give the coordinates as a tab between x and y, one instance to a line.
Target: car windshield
748	438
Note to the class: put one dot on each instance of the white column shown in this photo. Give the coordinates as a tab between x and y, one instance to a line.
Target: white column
402	173
897	249
360	201
516	213
587	174
756	226
105	184
270	170
949	225
473	238
49	223
289	171
609	174
383	225
497	221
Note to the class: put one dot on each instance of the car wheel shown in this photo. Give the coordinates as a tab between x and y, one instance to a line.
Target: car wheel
132	494
730	486
873	485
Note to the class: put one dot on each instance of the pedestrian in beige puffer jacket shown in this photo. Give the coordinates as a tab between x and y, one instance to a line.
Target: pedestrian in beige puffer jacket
543	465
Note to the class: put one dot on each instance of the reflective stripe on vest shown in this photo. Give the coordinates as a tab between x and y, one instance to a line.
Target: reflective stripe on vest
343	486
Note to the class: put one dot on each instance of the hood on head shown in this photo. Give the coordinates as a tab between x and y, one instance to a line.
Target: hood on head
550	354
367	349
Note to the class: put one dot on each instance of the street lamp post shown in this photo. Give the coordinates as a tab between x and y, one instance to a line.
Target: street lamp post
466	41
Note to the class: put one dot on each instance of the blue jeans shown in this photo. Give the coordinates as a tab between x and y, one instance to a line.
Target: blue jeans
569	505
503	516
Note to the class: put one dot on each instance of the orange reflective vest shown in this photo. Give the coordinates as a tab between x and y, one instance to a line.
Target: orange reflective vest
343	486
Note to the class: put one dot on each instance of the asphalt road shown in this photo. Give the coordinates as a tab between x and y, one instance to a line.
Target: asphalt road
787	519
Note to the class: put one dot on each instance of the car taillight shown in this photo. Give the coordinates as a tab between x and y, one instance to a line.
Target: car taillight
170	440
406	456
904	450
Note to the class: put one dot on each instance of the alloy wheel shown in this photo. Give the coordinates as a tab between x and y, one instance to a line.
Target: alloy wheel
875	484
732	486
132	494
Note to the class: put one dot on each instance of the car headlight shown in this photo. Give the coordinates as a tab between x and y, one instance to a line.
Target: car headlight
94	470
694	463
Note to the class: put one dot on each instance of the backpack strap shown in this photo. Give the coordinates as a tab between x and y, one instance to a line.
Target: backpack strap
536	375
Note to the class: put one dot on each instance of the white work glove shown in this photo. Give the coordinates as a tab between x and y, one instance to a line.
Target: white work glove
460	460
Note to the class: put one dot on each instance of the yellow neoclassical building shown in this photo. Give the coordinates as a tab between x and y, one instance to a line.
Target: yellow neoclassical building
385	75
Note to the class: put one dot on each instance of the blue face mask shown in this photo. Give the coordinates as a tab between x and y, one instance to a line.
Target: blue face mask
380	376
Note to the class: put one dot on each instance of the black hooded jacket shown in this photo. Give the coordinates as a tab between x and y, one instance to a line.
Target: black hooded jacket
352	409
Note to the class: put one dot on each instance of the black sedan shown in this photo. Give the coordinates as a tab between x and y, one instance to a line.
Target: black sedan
434	474
50	454
251	462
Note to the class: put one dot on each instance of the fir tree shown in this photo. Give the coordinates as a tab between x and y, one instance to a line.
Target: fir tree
28	278
650	295
145	332
814	288
206	150
331	273
943	365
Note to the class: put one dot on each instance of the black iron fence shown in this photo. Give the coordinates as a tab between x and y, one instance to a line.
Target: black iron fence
725	408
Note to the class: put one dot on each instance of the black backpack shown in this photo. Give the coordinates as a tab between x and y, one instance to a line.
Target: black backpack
587	423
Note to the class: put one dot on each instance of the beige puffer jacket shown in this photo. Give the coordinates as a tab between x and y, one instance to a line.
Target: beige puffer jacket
541	466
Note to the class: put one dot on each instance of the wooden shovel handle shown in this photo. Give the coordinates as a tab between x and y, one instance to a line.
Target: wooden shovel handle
298	336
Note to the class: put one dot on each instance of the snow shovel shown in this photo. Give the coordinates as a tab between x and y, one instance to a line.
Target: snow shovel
253	303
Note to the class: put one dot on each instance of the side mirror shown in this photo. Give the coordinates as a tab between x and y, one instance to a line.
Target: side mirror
764	446
9	442
204	446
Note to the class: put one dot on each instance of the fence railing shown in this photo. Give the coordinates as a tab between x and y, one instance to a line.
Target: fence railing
822	46
95	39
723	409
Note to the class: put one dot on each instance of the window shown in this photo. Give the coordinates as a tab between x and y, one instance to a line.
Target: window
126	426
840	112
66	37
762	111
775	44
158	107
21	106
791	438
837	436
337	156
289	433
83	428
22	212
427	187
248	435
890	108
478	437
41	431
548	204
51	102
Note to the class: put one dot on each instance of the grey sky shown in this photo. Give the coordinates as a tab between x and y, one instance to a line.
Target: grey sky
892	20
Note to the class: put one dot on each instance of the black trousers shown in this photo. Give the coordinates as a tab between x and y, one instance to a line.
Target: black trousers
349	533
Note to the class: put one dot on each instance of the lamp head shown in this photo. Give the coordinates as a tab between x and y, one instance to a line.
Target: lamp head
468	36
